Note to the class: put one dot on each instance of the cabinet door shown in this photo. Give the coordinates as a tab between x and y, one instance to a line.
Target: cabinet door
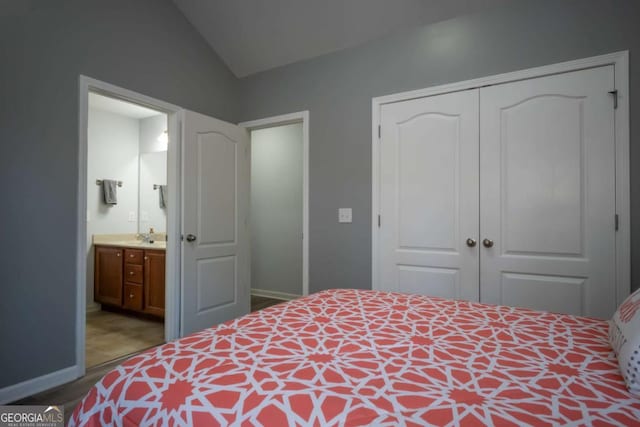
548	190
429	196
108	275
154	282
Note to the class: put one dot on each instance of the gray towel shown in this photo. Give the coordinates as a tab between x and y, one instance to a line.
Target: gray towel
162	194
109	191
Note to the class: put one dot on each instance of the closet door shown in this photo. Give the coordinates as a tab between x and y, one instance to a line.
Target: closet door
429	196
548	193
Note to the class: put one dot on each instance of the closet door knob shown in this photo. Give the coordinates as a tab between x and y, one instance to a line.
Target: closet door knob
487	243
191	238
471	242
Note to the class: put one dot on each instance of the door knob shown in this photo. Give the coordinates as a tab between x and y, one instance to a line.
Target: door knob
487	243
191	238
471	242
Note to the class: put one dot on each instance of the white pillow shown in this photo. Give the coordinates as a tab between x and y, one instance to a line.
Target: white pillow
624	336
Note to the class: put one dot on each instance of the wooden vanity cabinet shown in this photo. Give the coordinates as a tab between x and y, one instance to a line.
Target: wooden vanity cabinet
133	276
108	275
154	282
133	279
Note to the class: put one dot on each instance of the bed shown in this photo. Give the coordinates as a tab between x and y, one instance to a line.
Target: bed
357	357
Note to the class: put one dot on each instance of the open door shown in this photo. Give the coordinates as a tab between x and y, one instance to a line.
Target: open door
215	246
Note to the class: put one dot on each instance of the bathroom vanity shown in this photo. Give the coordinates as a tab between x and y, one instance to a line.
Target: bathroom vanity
130	274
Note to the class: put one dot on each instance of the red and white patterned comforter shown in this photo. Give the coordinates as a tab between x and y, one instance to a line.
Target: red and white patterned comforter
349	357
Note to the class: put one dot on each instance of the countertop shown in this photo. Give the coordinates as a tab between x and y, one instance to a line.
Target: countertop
130	241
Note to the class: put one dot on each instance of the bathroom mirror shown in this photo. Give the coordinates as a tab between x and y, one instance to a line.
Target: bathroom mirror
153	175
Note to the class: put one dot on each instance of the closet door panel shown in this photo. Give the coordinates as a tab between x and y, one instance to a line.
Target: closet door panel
547	201
429	196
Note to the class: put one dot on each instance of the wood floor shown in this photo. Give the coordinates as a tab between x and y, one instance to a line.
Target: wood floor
69	395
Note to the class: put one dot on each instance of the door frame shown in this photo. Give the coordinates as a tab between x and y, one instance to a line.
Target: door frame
173	251
620	62
287	119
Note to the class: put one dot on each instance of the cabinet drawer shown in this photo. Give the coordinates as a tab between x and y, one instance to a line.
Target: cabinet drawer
133	256
133	273
132	296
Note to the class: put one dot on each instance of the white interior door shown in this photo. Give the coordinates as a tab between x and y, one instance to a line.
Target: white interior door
215	247
429	196
548	193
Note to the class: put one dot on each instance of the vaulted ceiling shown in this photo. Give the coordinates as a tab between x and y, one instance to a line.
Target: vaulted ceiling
255	35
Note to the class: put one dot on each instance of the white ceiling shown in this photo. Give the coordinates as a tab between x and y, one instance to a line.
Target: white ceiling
123	108
256	35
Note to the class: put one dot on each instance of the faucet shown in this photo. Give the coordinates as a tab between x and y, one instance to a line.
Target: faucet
146	237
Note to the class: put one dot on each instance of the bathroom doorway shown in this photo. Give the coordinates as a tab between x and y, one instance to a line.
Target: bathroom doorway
128	257
126	228
279	206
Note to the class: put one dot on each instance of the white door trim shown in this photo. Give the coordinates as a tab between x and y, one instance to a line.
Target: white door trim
172	301
285	119
620	61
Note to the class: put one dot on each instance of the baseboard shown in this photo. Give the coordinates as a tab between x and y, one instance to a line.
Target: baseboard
92	307
36	385
274	294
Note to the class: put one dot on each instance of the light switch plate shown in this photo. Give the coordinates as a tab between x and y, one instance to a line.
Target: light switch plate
345	215
132	216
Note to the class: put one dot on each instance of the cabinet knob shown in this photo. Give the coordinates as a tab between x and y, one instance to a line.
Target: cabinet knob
131	273
131	296
146	257
118	254
131	256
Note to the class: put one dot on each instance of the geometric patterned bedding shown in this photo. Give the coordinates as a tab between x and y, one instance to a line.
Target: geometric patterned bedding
356	357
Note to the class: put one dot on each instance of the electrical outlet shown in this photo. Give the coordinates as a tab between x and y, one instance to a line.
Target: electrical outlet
132	216
344	215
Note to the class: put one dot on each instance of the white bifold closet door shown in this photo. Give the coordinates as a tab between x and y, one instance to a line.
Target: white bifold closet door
523	170
429	196
547	179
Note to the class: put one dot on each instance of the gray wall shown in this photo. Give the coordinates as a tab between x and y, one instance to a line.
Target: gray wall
337	89
276	209
143	45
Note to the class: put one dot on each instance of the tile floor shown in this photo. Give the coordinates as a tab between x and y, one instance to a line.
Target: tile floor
113	335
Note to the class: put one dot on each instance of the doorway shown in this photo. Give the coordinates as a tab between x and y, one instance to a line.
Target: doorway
279	206
128	221
126	228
